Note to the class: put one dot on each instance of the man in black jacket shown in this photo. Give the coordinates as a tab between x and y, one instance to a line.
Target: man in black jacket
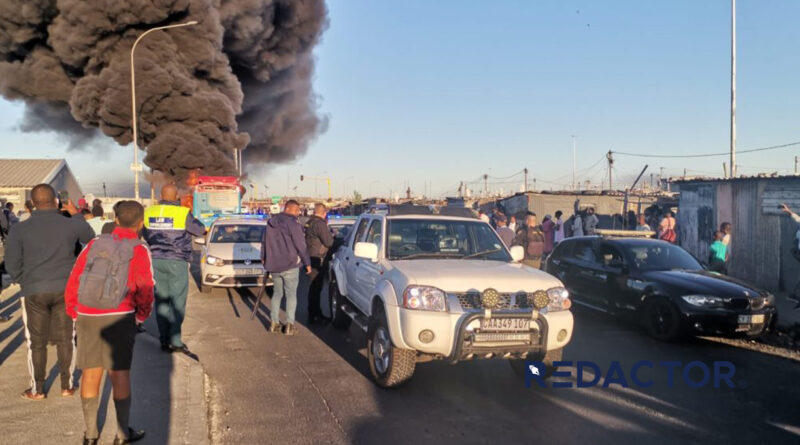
40	253
318	239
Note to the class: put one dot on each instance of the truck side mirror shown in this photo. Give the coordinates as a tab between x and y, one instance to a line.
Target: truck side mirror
517	253
367	251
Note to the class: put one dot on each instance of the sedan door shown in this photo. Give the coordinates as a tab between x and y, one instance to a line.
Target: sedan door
585	275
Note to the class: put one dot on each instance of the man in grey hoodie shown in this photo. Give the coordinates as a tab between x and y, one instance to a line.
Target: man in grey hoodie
283	250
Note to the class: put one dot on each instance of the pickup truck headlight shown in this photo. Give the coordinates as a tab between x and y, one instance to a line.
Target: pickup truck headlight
214	261
424	298
706	301
559	299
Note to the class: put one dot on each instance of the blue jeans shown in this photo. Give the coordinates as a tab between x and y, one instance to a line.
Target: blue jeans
285	285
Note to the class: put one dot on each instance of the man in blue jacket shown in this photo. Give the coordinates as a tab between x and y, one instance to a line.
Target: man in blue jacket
169	229
283	251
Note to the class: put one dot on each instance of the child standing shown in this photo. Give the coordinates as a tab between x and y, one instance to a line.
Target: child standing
718	253
109	293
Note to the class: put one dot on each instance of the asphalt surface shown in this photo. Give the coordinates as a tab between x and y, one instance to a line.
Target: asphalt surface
315	387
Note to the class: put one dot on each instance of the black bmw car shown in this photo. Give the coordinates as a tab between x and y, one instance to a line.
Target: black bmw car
662	285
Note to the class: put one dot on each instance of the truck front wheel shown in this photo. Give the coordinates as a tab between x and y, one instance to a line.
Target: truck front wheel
390	366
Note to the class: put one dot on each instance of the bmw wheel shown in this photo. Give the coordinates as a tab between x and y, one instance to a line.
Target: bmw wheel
390	366
662	319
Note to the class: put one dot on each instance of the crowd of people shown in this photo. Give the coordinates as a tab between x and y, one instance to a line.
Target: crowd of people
540	239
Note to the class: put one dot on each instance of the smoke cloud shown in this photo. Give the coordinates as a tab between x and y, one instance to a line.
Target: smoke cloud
240	78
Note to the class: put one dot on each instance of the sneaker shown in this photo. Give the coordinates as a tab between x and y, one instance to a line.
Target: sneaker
89	441
274	327
166	347
290	329
68	392
28	394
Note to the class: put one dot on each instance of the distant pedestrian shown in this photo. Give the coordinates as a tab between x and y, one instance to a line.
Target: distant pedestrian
504	232
512	223
577	224
795	250
559	227
39	255
109	226
169	229
642	225
590	222
666	229
283	251
549	232
10	216
27	212
531	238
726	230
97	221
109	293
717	254
318	240
483	216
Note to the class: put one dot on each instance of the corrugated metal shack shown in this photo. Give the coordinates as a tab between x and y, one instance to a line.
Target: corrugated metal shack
608	205
762	235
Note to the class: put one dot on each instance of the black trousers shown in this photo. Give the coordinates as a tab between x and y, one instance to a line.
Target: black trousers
316	279
46	320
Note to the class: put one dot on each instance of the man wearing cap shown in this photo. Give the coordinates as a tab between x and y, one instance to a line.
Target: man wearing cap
506	234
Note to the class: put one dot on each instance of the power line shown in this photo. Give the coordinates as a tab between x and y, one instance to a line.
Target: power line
707	155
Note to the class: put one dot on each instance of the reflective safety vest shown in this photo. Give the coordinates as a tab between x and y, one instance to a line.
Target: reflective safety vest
165	217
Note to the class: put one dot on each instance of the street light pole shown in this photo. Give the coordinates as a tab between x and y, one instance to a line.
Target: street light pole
136	167
733	88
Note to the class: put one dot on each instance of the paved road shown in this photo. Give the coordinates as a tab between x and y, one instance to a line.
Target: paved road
315	388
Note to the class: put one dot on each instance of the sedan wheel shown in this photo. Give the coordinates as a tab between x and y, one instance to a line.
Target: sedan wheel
662	320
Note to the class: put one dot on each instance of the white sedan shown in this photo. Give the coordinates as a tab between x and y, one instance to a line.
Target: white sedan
231	254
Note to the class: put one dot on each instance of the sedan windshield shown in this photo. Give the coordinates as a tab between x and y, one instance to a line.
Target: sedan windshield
231	233
423	238
661	256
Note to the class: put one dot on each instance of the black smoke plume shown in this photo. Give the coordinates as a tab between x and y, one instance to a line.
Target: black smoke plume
240	78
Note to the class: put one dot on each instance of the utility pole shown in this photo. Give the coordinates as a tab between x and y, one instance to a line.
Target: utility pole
534	184
105	195
486	184
733	88
525	170
724	170
795	166
574	161
610	157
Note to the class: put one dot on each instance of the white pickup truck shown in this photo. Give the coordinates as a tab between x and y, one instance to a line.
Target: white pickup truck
428	286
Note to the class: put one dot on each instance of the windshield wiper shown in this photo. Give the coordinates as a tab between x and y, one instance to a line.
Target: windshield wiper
427	255
485	252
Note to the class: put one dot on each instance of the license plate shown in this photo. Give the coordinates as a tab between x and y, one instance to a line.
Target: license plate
502	336
248	271
505	324
751	319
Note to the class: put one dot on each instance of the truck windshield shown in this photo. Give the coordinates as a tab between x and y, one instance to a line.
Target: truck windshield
430	238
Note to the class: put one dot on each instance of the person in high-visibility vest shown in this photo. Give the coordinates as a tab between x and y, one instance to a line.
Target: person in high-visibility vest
169	230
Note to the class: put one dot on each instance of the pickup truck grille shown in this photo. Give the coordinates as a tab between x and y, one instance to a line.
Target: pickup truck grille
472	301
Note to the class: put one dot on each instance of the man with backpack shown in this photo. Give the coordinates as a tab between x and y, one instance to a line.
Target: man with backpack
109	293
40	253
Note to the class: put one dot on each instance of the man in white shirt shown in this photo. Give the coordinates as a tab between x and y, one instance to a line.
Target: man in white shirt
559	227
577	224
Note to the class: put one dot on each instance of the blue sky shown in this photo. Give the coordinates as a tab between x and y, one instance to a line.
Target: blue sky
432	93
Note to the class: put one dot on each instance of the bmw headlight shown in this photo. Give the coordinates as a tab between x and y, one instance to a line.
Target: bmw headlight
705	301
424	298
214	261
559	299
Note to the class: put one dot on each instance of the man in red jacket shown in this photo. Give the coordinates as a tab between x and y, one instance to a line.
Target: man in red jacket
106	336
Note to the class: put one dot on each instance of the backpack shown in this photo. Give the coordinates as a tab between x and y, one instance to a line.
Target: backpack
104	281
